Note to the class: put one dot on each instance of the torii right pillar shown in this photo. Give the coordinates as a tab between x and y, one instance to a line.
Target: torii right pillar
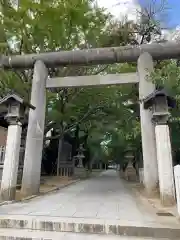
146	87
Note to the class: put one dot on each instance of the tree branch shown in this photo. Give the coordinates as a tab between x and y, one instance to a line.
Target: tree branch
87	114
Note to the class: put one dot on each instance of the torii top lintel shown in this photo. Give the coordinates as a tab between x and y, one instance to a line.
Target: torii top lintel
159	51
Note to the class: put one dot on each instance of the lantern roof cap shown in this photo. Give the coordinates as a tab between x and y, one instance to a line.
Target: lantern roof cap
16	98
149	100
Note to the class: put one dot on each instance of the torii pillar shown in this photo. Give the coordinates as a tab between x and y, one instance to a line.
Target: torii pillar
145	67
35	132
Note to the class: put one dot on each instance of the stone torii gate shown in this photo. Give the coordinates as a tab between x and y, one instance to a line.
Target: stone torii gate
144	56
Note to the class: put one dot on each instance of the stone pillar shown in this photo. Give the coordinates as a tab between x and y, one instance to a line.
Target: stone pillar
80	162
141	175
145	66
177	185
11	163
35	132
165	167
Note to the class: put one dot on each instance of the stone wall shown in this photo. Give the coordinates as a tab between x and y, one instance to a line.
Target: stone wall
3	136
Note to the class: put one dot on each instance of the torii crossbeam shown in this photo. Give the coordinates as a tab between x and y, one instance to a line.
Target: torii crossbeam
159	51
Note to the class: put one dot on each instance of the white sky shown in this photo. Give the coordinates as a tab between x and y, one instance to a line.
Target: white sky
121	8
129	9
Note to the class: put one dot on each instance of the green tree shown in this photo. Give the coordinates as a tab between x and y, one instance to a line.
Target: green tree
107	114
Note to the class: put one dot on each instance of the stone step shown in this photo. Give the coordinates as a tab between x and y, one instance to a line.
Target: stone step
91	226
19	234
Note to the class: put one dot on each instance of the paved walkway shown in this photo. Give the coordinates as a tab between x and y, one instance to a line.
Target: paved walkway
103	197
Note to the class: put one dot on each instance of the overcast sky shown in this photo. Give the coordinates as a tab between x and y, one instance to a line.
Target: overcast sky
121	8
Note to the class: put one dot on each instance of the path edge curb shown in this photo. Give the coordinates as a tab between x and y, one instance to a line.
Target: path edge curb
40	194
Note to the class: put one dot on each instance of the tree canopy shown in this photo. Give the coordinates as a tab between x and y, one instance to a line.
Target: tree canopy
109	115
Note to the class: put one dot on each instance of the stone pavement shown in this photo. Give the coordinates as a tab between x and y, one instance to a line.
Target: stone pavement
103	197
103	204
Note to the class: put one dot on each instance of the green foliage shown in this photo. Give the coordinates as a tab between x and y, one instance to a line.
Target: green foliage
109	114
168	75
46	26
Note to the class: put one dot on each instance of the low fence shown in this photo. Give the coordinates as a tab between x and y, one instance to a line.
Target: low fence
2	155
66	169
65	164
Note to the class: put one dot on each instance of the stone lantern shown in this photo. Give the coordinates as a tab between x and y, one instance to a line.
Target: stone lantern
130	172
160	102
80	156
128	154
16	109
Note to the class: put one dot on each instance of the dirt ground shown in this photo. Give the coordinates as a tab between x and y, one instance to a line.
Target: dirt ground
49	183
155	202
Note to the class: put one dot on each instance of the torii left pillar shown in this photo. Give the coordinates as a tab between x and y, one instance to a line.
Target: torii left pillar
35	132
